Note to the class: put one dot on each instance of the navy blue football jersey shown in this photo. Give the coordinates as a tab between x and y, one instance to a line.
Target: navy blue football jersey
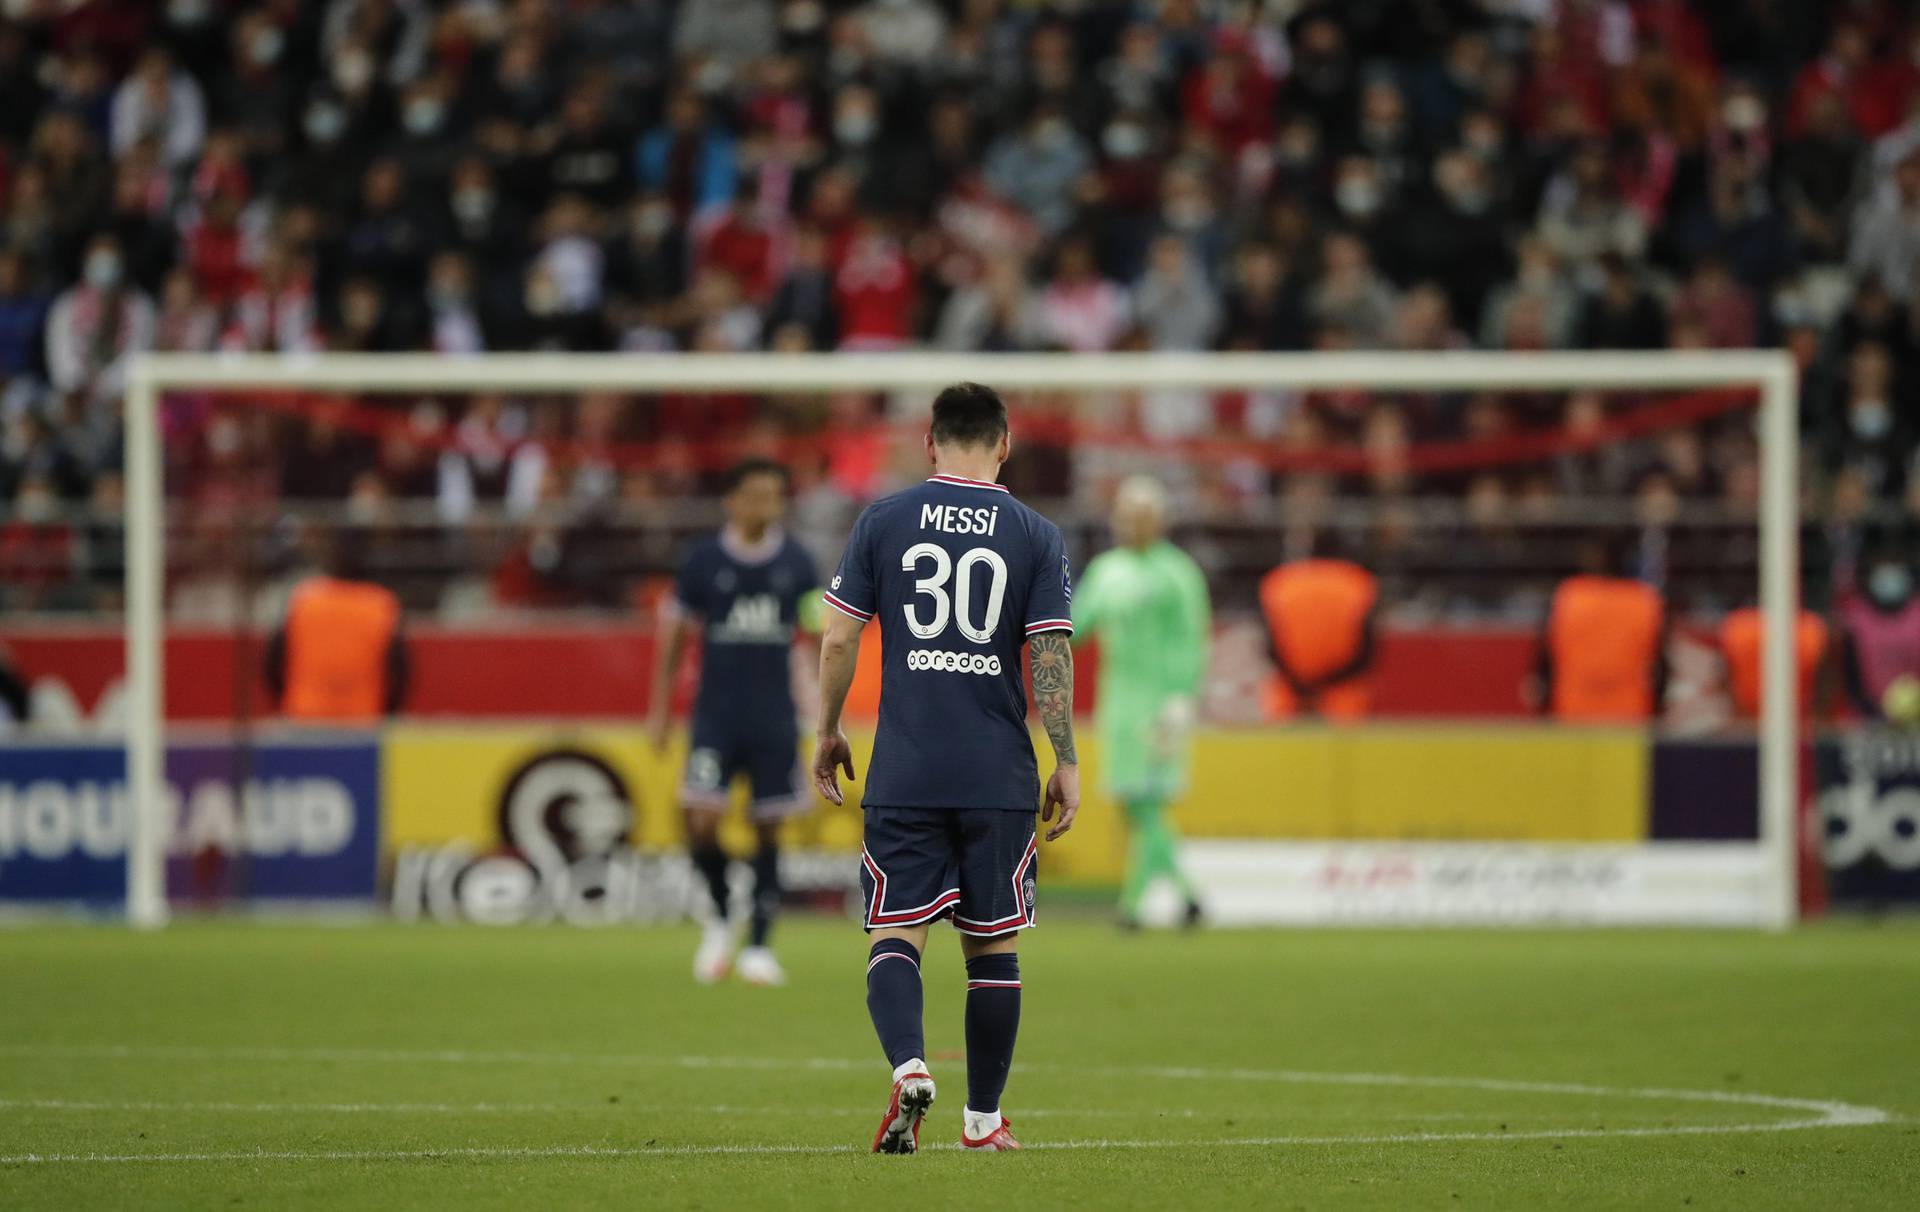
959	575
748	604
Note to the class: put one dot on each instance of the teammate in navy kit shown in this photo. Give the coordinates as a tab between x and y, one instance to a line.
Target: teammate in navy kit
961	577
747	589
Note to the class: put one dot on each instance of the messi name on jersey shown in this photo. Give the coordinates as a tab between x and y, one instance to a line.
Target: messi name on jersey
956	519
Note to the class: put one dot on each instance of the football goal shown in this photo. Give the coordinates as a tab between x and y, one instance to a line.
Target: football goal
1459	477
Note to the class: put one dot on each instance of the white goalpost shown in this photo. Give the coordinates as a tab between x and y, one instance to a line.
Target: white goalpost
1770	373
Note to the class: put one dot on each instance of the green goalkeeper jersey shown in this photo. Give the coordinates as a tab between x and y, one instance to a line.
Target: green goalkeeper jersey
1148	610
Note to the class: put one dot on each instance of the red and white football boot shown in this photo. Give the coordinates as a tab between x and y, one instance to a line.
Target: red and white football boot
1000	1140
900	1128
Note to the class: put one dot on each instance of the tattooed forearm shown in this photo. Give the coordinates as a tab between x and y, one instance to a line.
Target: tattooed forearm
1051	655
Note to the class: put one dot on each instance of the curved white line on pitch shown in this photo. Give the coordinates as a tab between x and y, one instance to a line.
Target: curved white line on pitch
1824	1113
483	1108
1271	1142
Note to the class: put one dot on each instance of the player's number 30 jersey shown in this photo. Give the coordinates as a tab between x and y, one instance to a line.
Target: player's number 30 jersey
959	574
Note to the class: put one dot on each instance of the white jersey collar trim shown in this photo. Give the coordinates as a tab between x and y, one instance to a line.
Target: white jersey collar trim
964	482
735	545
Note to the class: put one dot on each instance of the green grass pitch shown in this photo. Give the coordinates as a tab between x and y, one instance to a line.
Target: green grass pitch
284	1067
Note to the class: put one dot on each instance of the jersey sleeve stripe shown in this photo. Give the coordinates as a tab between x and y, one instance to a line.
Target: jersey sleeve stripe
1050	625
843	608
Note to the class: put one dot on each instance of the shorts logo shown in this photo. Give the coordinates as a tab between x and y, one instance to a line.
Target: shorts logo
703	770
1026	891
953	662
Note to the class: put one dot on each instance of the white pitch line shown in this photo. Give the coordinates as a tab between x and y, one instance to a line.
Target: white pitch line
1840	1113
586	1151
67	1104
1826	1113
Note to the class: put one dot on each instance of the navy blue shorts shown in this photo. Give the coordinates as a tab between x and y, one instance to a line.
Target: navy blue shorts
977	864
769	759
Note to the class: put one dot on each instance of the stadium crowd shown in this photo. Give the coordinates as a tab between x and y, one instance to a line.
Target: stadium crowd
728	175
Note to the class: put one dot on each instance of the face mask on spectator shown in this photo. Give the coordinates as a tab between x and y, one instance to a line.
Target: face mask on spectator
472	205
854	128
424	115
1052	133
447	296
653	220
712	78
34	505
1889	585
265	46
223	436
325	122
543	298
1870	419
1357	197
1186	214
189	12
353	71
103	270
1744	113
1468	199
1124	140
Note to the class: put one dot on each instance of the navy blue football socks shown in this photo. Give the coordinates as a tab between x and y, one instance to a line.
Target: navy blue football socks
993	1022
711	863
766	894
894	1000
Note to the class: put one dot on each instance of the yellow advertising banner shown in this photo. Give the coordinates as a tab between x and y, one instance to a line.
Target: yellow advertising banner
457	783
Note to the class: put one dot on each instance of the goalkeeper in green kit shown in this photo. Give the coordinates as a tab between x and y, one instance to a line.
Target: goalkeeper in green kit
1146	602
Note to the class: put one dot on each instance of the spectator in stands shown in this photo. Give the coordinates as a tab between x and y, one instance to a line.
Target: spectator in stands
689	158
1078	309
1537	310
185	322
1036	167
1871	433
1177	307
805	296
1350	296
1582	216
1263	309
1819	172
1714	301
1622	313
96	324
160	105
1886	238
728	34
402	175
37	549
23	314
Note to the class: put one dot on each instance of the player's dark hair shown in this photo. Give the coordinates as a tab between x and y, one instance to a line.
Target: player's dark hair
746	469
968	414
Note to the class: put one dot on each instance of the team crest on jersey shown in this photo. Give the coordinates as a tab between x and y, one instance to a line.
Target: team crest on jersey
753	618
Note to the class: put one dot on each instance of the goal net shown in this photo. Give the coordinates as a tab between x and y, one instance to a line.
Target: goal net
529	512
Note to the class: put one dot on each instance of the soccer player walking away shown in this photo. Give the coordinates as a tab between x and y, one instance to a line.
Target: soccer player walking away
747	589
1145	601
960	576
